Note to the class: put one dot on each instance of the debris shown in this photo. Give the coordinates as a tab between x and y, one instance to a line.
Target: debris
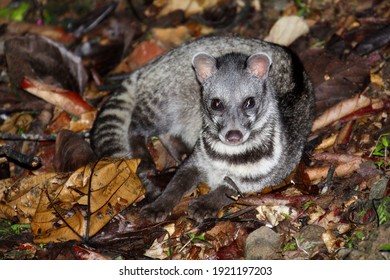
287	29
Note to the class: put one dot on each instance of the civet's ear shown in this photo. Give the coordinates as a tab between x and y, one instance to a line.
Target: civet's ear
205	65
258	64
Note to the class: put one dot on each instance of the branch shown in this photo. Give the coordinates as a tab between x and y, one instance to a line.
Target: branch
9	152
35	137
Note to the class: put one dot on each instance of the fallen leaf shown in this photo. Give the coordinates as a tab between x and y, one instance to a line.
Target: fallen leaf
190	7
43	59
337	158
145	52
69	101
156	251
329	221
22	196
233	251
161	157
171	37
60	121
317	174
330	241
53	32
374	40
84	253
272	199
334	79
345	133
341	110
159	249
89	199
18	122
85	122
327	142
273	215
286	30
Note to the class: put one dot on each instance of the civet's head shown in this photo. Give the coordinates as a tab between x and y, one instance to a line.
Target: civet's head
235	93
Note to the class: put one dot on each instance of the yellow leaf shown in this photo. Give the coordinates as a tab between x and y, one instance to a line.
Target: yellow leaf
23	196
18	122
87	201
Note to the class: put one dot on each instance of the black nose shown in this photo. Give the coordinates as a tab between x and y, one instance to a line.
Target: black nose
234	136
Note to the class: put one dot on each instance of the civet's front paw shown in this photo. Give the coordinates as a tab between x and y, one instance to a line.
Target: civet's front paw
157	211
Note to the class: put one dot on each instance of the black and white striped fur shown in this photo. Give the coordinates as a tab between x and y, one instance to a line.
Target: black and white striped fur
246	112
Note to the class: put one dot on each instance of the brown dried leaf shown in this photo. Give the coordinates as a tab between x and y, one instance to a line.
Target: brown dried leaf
190	7
161	157
334	79
273	215
145	52
345	165
43	59
23	196
18	122
172	37
84	253
341	109
107	187
61	120
53	32
373	40
84	123
330	241
7	212
233	251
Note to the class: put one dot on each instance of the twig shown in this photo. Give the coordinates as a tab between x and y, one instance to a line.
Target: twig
31	161
34	137
329	179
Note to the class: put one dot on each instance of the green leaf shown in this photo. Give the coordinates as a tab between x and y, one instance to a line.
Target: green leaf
379	163
4	12
385	247
362	212
307	205
290	247
17	227
304	10
18	13
378	154
383	210
378	151
359	235
385	142
47	17
7	228
197	237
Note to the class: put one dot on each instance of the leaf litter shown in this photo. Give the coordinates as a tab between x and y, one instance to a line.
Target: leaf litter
335	205
63	206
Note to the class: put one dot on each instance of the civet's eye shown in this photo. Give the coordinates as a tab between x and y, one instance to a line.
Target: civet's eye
249	103
216	104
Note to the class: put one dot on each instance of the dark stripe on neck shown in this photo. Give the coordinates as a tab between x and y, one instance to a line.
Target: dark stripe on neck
252	155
